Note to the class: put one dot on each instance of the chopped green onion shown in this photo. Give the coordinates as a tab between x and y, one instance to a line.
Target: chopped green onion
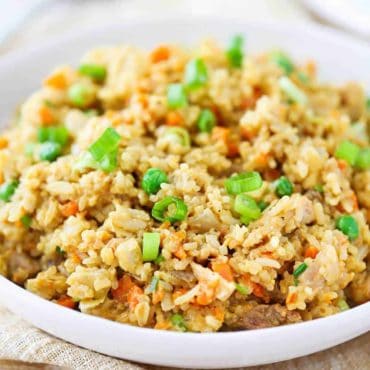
29	149
55	134
262	205
178	321
153	284
343	305
247	207
363	159
159	259
348	226
50	151
109	162
319	188
296	281
152	180
303	77
176	96
86	160
107	143
243	182
242	289
206	120
283	187
95	71
347	151
170	209
26	221
151	243
81	95
195	74
235	53
283	61
178	135
59	250
300	269
8	189
292	91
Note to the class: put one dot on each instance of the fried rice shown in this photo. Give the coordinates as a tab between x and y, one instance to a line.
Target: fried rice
93	156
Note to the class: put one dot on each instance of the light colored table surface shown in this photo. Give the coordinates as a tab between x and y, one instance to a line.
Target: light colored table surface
19	340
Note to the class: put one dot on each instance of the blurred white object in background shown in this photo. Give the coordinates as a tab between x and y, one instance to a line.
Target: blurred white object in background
353	15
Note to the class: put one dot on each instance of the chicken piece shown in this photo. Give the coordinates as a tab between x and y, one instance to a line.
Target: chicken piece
182	278
264	316
359	290
21	267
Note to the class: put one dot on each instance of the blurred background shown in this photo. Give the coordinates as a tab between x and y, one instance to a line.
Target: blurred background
24	22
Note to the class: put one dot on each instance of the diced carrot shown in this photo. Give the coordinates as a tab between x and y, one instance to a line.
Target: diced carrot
311	252
133	296
342	164
180	252
178	293
218	313
174	118
3	142
158	295
258	290
292	297
262	159
46	116
160	54
224	270
203	299
66	302
57	81
355	201
223	134
124	286
247	133
271	174
69	209
165	225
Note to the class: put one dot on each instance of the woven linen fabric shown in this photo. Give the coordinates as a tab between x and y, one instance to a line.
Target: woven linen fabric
21	341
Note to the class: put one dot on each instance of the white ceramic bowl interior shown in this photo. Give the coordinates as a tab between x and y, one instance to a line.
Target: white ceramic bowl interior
340	58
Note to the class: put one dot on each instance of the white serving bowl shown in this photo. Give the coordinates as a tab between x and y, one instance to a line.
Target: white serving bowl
340	58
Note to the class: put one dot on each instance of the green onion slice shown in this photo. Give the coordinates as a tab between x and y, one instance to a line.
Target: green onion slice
151	243
195	74
50	151
292	91
94	71
170	209
26	221
153	284
343	305
363	159
300	269
247	207
152	180
242	289
176	96
235	53
81	95
348	226
283	61
206	120
55	134
107	143
8	189
262	205
243	182
347	151
178	135
178	321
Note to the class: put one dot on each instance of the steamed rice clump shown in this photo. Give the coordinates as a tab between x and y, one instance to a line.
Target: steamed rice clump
74	208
